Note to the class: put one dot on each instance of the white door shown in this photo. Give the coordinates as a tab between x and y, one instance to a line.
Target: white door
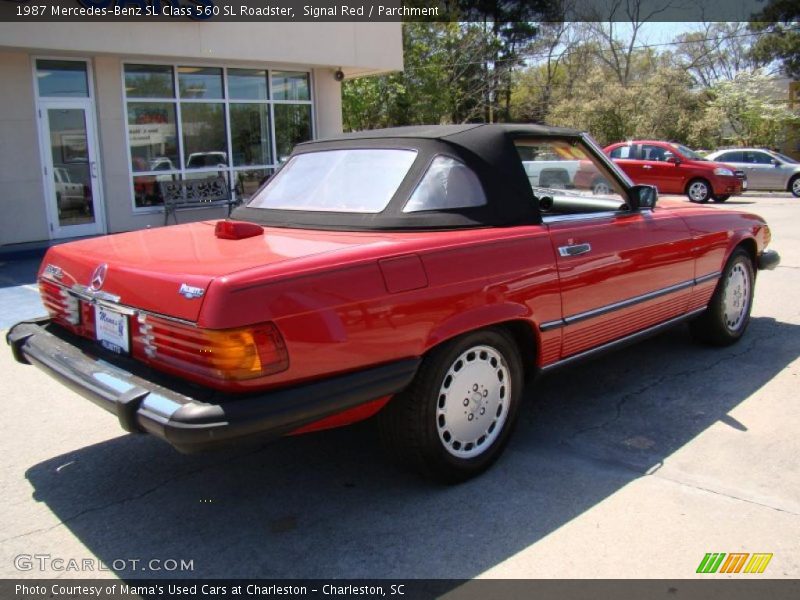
73	190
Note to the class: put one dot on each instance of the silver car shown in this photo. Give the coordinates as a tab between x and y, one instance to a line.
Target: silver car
765	169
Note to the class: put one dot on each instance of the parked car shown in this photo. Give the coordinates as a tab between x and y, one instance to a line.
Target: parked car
765	169
410	274
675	169
550	173
198	160
70	196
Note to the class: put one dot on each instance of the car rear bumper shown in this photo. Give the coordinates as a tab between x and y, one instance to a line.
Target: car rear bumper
768	260
186	422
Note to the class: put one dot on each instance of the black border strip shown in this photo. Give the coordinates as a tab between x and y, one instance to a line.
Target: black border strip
603	310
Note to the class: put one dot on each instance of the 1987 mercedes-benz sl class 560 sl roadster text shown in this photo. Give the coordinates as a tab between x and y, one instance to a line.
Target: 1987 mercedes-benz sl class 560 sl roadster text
411	274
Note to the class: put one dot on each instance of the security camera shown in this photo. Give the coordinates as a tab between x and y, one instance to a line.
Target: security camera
338	75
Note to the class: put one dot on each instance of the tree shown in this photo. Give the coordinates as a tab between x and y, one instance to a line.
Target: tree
780	19
443	81
751	110
717	51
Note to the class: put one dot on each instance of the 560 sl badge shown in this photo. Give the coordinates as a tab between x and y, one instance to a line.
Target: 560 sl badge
54	272
189	291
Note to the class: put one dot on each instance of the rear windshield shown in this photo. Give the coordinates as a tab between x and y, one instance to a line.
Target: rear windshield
350	181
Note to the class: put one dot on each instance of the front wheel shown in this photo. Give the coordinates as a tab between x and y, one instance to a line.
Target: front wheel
698	190
455	418
728	313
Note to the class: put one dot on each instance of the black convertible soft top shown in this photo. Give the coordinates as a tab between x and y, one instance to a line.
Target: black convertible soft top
488	149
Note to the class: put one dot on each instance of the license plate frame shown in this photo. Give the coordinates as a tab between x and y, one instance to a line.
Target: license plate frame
112	329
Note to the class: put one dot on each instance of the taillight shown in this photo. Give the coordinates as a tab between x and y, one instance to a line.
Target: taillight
221	354
61	305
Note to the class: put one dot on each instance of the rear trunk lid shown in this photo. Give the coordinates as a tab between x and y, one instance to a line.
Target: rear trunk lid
167	270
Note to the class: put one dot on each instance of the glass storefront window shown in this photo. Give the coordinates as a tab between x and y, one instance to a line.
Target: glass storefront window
204	138
200	82
62	78
292	126
248	181
152	136
290	85
189	122
250	142
149	81
146	189
247	84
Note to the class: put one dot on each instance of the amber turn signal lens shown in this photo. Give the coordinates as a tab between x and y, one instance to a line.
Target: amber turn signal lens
222	354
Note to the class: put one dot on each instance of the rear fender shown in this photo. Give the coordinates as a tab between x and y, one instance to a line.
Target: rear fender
478	318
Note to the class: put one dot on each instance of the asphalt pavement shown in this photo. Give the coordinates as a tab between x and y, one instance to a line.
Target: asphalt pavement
632	466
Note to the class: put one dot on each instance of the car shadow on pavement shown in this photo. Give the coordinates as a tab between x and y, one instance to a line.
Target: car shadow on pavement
329	505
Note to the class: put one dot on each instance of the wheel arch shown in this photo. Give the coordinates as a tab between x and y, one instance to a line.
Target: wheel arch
511	318
750	245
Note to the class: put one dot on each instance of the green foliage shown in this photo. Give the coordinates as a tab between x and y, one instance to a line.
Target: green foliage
442	81
751	111
780	18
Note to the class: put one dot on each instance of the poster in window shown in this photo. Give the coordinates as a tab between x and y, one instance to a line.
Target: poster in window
74	149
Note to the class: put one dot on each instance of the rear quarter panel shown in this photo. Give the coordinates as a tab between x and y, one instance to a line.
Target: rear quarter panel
347	313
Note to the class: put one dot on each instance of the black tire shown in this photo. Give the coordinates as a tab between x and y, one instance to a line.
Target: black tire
698	190
721	198
721	326
414	428
794	186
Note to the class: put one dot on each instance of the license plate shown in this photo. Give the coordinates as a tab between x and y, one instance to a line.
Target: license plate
111	329
744	184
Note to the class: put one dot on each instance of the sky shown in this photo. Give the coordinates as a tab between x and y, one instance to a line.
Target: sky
660	32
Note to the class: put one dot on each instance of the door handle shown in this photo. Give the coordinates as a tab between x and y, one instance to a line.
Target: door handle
574	250
93	169
647	166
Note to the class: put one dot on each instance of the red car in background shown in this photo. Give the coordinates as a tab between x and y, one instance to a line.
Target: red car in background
675	169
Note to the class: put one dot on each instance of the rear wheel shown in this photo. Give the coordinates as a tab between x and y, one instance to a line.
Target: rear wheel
455	418
794	186
698	190
728	312
721	198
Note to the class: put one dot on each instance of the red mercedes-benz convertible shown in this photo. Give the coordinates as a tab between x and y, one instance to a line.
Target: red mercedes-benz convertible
412	274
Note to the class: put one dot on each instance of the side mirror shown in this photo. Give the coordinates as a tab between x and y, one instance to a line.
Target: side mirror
674	160
776	162
642	197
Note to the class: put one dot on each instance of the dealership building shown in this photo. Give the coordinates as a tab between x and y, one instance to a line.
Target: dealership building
95	117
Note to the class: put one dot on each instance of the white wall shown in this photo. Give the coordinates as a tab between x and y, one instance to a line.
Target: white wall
22	209
357	48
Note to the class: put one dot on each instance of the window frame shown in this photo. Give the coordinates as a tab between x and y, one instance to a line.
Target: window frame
226	101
